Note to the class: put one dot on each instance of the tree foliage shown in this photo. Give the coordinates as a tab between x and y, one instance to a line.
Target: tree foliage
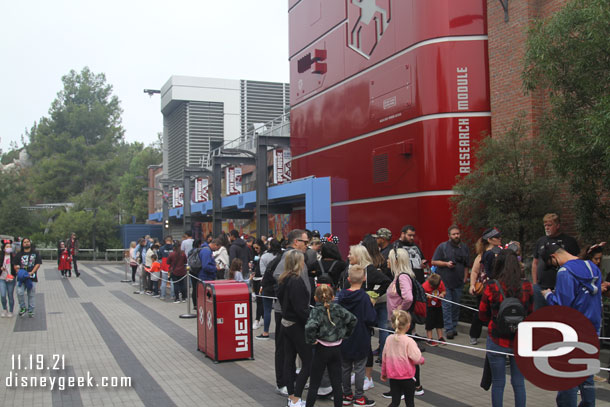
132	199
73	148
511	187
568	56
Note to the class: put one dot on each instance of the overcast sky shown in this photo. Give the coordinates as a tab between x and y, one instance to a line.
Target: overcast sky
138	45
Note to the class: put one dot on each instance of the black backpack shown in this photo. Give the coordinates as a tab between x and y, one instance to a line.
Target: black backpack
418	308
194	261
510	314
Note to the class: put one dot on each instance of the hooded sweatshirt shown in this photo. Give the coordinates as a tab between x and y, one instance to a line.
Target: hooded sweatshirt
239	250
358	345
208	265
579	286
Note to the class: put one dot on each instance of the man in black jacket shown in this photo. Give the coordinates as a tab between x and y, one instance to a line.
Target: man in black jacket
29	260
72	246
239	250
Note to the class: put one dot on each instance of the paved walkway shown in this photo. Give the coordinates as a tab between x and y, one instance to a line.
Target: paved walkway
102	329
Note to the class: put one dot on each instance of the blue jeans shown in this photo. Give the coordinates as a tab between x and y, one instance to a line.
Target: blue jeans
6	291
31	296
568	398
163	283
451	312
539	300
382	322
267	307
498	375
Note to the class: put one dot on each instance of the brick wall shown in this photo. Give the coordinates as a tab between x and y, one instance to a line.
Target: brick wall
506	45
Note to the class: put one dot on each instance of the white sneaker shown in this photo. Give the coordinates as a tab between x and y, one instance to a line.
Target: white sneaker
368	383
282	390
353	379
9	315
299	403
3	315
325	391
256	325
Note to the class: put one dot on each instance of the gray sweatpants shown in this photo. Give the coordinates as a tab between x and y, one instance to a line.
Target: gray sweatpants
358	367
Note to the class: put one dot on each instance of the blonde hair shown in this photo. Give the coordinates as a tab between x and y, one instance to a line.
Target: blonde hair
400	320
132	245
356	274
293	264
552	217
324	294
363	256
400	262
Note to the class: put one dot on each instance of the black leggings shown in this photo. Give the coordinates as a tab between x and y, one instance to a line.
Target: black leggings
279	351
325	357
477	326
398	387
134	270
294	344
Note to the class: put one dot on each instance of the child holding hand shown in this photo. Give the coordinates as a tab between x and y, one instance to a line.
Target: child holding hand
400	355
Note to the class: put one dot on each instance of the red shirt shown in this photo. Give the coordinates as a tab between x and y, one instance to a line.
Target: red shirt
490	305
433	302
155	267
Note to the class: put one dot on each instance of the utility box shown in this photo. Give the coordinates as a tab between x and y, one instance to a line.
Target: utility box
224	320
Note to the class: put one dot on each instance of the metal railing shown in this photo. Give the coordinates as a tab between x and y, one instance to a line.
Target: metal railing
87	254
278	127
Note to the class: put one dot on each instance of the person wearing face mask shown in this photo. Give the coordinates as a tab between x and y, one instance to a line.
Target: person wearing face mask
27	259
7	279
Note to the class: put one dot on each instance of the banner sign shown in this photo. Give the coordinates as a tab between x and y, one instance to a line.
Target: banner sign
281	166
233	180
178	197
201	190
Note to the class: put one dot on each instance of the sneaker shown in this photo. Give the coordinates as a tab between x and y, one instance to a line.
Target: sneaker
442	341
299	403
432	342
388	395
348	400
177	302
474	341
368	383
598	379
9	315
419	391
282	390
450	335
135	284
262	337
148	292
256	325
156	296
353	378
31	314
363	401
3	315
325	391
22	312
183	301
162	298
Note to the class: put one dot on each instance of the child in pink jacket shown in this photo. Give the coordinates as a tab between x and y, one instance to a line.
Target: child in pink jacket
400	355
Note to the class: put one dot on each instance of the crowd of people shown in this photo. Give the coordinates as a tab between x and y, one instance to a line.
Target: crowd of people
327	308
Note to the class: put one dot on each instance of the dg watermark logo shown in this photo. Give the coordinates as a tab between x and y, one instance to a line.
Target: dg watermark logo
557	348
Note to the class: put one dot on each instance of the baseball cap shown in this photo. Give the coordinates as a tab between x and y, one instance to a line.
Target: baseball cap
548	249
383	233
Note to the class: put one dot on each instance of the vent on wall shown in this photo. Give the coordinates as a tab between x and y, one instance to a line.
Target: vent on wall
380	168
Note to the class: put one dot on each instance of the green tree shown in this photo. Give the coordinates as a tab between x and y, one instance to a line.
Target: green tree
568	58
132	199
74	148
511	187
14	220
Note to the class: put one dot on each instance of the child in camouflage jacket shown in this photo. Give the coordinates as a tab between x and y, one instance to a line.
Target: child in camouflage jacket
327	326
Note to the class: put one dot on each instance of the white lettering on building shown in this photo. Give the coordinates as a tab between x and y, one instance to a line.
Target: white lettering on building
462	88
464	145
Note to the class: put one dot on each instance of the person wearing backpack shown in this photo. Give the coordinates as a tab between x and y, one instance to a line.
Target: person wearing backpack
506	301
400	296
579	286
